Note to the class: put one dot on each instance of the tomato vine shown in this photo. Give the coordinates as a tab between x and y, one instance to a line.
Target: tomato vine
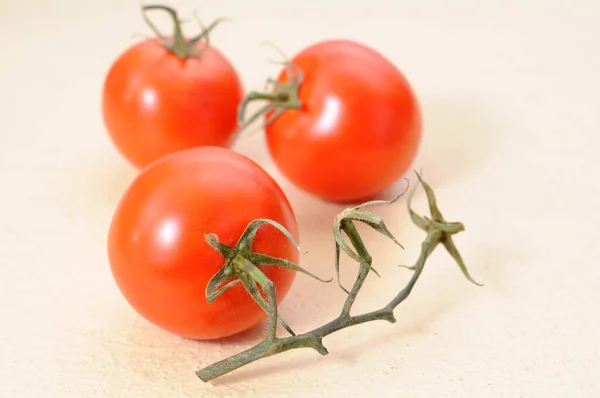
438	230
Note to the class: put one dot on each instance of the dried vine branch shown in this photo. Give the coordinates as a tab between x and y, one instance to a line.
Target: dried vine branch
438	232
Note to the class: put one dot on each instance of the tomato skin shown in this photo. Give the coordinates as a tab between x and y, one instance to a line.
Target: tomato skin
155	103
359	127
157	251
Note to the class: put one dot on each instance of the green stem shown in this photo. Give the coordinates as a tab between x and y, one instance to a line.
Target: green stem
285	96
438	232
314	338
179	45
262	350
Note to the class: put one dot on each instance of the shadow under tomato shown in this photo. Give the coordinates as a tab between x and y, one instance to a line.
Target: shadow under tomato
247	337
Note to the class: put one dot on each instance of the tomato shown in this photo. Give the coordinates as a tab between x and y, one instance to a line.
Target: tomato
155	102
356	128
156	242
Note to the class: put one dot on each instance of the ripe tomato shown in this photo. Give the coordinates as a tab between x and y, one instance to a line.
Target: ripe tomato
155	102
157	251
357	127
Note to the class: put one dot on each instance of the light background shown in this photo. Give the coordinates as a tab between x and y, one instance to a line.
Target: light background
510	96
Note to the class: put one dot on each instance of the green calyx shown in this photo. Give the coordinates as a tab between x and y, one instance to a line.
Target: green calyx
344	224
179	45
282	97
242	265
439	231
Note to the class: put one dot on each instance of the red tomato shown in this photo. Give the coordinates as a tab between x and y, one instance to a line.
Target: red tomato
155	103
157	251
359	126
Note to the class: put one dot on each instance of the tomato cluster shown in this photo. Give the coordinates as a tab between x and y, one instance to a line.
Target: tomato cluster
341	123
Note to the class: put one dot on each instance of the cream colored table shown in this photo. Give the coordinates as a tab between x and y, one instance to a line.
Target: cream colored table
510	95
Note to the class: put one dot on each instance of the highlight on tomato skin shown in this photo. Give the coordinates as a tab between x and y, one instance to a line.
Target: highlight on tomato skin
166	94
156	241
348	122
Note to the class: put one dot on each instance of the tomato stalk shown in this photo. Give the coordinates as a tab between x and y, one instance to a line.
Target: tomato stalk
283	97
438	230
179	45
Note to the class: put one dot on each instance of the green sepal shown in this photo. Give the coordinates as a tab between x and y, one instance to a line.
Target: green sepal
438	229
226	251
262	260
250	285
247	238
341	224
210	297
375	222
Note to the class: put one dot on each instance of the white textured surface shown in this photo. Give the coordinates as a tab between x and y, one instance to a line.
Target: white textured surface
510	92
